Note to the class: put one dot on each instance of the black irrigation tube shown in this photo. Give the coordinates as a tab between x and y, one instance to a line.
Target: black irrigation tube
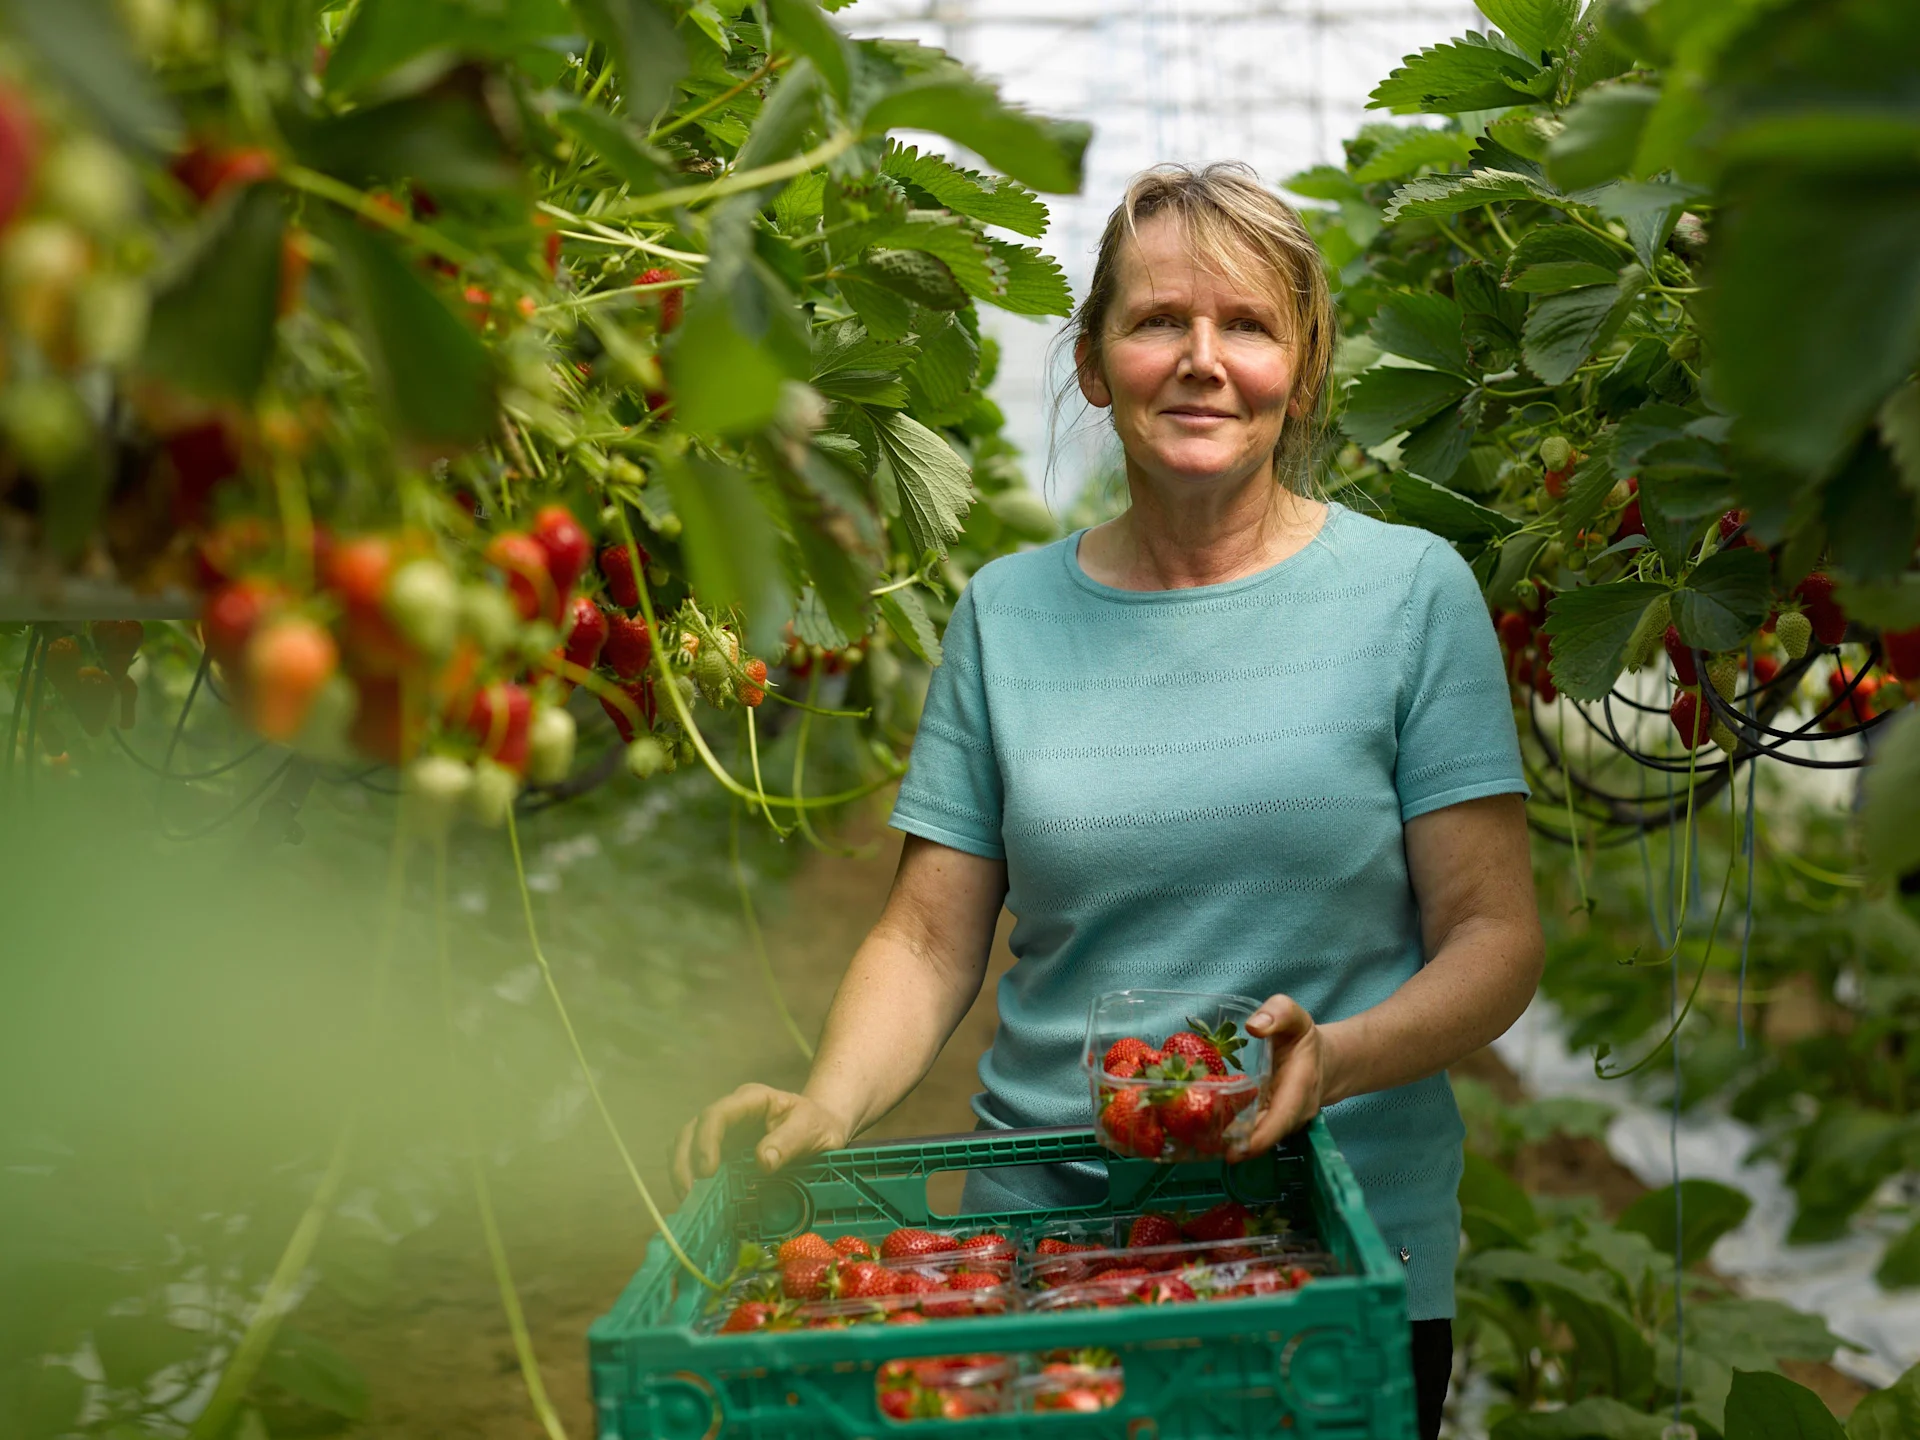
212	825
153	769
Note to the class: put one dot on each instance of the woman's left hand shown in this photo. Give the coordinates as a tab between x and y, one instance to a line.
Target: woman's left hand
1297	1083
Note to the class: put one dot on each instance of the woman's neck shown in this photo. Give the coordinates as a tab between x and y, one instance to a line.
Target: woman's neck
1169	543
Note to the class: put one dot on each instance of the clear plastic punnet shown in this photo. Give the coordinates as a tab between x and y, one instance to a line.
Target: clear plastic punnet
1172	1074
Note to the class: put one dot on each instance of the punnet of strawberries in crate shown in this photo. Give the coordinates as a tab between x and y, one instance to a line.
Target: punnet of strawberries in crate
905	1277
1172	1073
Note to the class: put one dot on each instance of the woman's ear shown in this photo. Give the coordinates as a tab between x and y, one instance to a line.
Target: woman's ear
1093	385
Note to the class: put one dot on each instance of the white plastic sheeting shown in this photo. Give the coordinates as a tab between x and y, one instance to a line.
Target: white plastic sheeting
1834	1279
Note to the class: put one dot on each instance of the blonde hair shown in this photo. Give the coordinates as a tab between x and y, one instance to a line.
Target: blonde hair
1250	236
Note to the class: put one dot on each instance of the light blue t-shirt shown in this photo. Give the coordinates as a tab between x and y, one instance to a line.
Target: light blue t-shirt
1205	789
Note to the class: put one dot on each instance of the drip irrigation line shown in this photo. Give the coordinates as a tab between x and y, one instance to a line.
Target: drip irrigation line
202	831
1746	933
190	776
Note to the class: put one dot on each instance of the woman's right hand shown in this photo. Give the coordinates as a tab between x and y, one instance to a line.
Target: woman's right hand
796	1127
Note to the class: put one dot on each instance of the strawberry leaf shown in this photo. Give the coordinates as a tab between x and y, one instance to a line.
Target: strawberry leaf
1590	628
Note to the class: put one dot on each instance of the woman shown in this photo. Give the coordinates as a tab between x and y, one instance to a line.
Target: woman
1238	739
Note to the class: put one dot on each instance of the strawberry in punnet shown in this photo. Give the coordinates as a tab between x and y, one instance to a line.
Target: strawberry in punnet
807	1279
749	1315
587	632
566	545
1207	1047
1229	1220
987	1247
1129	1057
849	1247
914	1282
117	642
807	1246
616	568
1153	1228
864	1280
286	664
1165	1290
1193	1121
1692	720
1685	672
1902	649
1130	1125
528	583
1794	631
911	1244
629	647
671	301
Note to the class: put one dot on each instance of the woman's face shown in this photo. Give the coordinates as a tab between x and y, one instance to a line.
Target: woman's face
1197	369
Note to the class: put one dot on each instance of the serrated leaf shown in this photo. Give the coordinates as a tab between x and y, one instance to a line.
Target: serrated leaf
1534	25
813	625
1708	1210
1724	599
1435	448
1899	421
990	199
387	34
1423	327
1587	492
649	52
1590	627
819	39
1034	285
1549	244
1889	1414
1553	276
1765	1406
1601	135
934	487
1887	831
1563	330
1441	195
1609	1353
442	139
1473	72
212	328
1894	606
1870	515
1044	154
1388	399
941	379
1413	149
1447	513
1323	182
957	242
620	146
1517	554
914	274
849	364
743	336
432	371
886	314
906	616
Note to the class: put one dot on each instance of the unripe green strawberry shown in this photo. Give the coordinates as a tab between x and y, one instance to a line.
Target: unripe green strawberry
490	799
550	746
1723	673
1645	644
488	615
423	600
1793	630
1555	452
684	684
711	673
1722	736
1683	347
434	786
646	757
1526	594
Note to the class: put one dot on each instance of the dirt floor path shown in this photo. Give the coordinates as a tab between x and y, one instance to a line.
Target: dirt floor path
440	1362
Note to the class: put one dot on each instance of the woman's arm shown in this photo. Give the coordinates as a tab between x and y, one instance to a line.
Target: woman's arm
909	985
1480	926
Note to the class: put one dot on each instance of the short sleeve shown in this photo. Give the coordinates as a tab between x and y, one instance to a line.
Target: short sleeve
951	793
1455	727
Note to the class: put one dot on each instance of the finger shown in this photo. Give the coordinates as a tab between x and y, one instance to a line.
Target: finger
801	1132
746	1103
1280	1019
1287	1101
683	1159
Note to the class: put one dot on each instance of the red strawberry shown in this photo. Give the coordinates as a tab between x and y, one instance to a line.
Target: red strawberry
640	692
864	1280
973	1280
1153	1228
500	718
1195	1051
586	632
566	545
1516	631
1192	1120
1631	521
897	1404
117	642
286	664
1167	1290
1902	649
1829	620
1131	1126
987	1246
852	1245
751	692
357	570
616	568
1731	521
906	1317
1692	720
807	1246
671	301
92	695
202	456
749	1315
914	1282
629	648
1055	1246
63	661
910	1244
528	582
1543	685
1129	1049
1229	1220
1766	669
207	169
229	618
1864	688
806	1279
1685	672
19	153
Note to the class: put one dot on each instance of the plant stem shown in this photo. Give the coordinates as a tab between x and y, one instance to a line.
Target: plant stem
1460	240
740	180
366	207
773	63
758	939
1493	217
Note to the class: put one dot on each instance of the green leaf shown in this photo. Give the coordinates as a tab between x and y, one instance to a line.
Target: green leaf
1491	316
933	486
1412	149
1763	1406
729	540
907	617
620	146
442	140
1587	491
849	364
1474	72
813	625
1494	1209
1805	365
1598	1417
743	336
135	1348
650	54
432	371
886	314
1892	606
1447	513
1035	283
1724	599
780	129
819	39
1423	327
1388	399
1567	249
1517	554
312	1370
1534	25
1442	195
987	198
1590	627
941	378
1758	1334
1563	330
212	328
387	34
1323	182
1435	448
41	1401
1044	154
1889	1414
1870	515
1609	1354
81	46
1709	1210
1900	432
922	278
1601	136
1887	831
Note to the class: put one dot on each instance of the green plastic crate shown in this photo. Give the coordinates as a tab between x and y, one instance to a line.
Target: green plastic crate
1326	1362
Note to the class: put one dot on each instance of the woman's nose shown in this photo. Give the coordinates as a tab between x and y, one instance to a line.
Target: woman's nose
1201	358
